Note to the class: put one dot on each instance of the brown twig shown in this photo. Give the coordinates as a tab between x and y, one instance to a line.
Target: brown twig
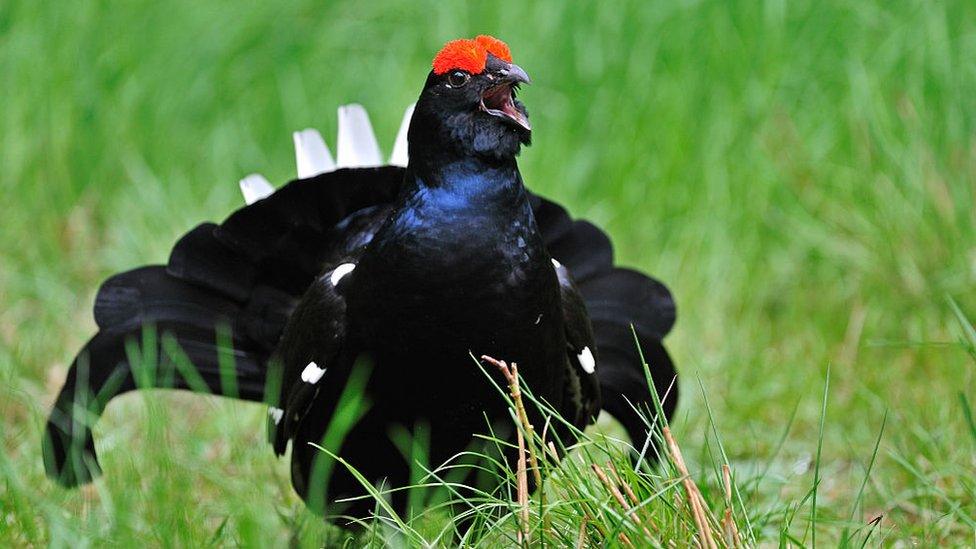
695	499
729	528
526	444
511	376
523	491
631	495
521	476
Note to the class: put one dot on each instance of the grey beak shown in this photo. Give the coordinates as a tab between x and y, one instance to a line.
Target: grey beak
514	73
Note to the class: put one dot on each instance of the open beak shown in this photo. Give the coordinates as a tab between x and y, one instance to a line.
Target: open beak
499	100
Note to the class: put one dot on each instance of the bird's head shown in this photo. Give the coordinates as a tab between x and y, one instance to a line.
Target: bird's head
468	104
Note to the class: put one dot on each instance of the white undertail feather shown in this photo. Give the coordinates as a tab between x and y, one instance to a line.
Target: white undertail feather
254	187
312	155
357	146
399	156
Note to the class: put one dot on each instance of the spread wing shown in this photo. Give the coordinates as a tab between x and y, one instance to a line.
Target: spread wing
582	385
313	341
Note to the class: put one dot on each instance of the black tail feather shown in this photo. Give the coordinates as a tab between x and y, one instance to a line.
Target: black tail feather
578	244
627	295
585	250
148	294
622	304
622	380
200	258
289	234
117	361
240	280
246	275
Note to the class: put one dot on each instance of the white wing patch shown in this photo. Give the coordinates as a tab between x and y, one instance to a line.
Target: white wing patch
312	156
275	414
555	263
312	373
586	360
341	271
357	146
254	187
399	156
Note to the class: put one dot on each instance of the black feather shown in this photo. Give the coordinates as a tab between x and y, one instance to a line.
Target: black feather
579	245
243	276
248	273
625	295
200	258
622	303
103	370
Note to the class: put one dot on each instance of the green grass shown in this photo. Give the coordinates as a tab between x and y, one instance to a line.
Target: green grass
802	175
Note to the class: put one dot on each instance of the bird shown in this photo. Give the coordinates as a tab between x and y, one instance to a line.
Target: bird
387	279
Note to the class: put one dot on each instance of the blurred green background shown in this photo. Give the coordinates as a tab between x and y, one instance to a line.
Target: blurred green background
801	174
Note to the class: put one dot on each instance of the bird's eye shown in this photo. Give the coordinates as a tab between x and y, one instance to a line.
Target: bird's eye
458	78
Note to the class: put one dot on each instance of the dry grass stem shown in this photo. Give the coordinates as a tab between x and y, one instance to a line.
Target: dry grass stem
617	495
523	491
629	491
581	538
729	529
695	499
553	452
521	475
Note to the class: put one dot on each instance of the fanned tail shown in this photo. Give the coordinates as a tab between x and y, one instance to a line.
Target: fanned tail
623	303
620	303
208	320
167	353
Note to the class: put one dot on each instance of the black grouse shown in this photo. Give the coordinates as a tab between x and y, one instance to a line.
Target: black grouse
388	279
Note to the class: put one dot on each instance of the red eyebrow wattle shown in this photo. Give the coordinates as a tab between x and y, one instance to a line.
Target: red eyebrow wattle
495	47
470	55
464	54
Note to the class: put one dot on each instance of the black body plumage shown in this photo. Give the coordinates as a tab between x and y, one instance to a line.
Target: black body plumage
404	272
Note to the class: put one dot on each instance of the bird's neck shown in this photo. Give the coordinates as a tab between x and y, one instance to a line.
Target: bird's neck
467	181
